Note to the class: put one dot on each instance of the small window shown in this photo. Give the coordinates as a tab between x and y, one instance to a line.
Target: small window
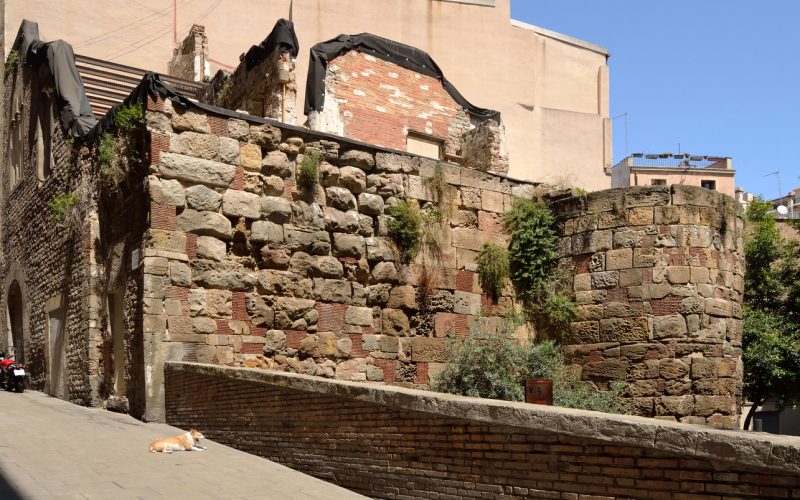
708	184
658	182
424	145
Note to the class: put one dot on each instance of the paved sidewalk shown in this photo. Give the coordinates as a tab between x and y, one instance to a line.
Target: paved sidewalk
53	449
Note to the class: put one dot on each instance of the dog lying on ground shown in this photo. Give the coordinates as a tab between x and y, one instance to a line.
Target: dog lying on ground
189	441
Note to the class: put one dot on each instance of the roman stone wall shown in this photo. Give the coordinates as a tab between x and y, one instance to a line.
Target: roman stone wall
49	259
390	442
658	279
243	267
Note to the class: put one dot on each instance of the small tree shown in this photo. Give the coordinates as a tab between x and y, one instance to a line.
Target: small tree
771	360
771	343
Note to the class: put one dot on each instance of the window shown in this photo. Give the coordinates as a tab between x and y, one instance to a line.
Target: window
44	139
424	145
709	184
658	182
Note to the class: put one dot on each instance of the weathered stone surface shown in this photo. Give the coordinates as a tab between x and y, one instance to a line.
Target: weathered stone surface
370	204
348	245
276	209
353	179
402	297
222	275
429	349
605	279
678	274
333	290
671	326
166	192
266	136
340	198
619	259
275	258
212	248
395	323
276	163
328	174
384	272
624	329
202	198
210	303
718	307
607	369
189	120
195	170
672	369
356	158
241	204
205	223
359	316
193	144
313	242
229	150
466	303
326	267
338	221
352	369
266	232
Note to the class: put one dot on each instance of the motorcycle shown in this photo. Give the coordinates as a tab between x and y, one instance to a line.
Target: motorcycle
12	374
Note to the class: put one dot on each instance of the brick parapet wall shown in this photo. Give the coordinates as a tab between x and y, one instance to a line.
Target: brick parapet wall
659	287
390	442
322	286
380	102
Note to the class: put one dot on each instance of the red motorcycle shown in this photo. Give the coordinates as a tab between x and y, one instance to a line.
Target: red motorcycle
12	374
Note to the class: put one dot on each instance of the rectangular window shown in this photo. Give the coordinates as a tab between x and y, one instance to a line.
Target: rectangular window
658	182
424	145
709	184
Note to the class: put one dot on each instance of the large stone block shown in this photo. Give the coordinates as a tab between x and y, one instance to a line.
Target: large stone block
195	170
358	316
205	223
619	259
266	232
348	245
241	204
353	179
276	209
672	326
166	192
624	329
718	307
429	349
203	199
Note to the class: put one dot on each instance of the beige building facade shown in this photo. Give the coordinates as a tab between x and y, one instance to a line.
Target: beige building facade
639	169
551	89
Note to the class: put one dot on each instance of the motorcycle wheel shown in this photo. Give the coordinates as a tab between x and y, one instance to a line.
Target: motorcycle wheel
19	386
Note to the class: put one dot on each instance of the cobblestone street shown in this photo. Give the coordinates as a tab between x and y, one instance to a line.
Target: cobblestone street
53	449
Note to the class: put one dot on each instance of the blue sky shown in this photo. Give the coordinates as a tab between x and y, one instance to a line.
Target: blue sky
718	77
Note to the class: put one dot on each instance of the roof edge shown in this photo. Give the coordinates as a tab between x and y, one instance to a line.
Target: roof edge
576	42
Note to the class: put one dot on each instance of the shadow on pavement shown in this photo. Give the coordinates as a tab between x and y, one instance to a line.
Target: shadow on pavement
7	491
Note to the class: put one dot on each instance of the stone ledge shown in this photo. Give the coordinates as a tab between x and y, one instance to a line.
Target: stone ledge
764	451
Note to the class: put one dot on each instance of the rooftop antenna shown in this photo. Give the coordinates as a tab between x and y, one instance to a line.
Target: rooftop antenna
291	8
777	174
626	129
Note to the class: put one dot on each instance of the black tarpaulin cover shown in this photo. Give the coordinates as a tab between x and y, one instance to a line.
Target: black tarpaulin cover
74	110
394	52
282	37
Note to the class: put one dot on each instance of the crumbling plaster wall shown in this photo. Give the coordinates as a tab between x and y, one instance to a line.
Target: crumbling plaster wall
658	279
244	268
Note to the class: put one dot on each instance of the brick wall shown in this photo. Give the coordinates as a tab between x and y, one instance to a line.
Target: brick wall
659	280
389	442
379	102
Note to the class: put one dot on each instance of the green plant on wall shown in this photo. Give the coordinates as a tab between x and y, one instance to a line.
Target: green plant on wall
441	192
12	61
404	228
492	263
61	207
129	117
308	171
116	150
532	256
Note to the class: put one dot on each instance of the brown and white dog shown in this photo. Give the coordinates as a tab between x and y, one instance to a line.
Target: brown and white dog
185	442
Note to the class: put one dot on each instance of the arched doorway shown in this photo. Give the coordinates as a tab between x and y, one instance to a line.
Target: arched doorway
15	342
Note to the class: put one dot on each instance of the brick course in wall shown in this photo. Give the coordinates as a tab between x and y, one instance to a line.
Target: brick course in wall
659	281
389	442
